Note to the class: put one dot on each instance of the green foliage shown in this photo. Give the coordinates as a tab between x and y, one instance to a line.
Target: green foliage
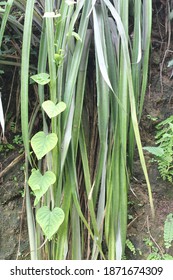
50	221
152	118
6	147
131	247
42	143
6	12
157	256
99	127
40	183
22	192
53	110
12	125
164	151
168	231
167	257
156	252
18	140
157	151
41	78
59	57
3	3
148	242
154	256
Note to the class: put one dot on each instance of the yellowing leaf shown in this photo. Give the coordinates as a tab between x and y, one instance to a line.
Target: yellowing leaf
53	110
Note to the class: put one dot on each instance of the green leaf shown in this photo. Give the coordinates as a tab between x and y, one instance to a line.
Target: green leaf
40	183
157	151
41	78
3	3
53	110
99	49
131	247
168	231
59	57
167	257
50	221
166	135
154	256
42	143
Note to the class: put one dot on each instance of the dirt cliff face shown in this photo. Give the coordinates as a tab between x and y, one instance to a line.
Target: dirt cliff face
13	227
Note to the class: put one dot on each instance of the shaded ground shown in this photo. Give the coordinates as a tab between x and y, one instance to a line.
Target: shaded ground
13	229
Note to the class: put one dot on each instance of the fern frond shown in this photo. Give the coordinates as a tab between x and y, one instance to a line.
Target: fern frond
167	121
168	231
157	151
164	151
167	257
154	256
131	247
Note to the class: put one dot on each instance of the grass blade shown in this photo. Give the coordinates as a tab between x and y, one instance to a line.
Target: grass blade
5	18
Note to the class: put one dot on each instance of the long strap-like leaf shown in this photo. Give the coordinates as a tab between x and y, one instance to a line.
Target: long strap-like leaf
24	115
131	96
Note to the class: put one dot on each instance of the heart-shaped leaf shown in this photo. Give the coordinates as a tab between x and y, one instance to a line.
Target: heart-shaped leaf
41	78
53	110
49	221
42	143
40	183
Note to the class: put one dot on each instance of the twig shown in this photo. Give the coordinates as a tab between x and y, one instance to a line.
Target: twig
12	164
11	91
129	225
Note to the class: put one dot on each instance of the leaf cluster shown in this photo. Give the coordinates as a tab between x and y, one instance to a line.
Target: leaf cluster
156	254
164	151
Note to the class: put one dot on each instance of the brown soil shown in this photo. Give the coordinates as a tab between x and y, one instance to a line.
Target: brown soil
13	229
